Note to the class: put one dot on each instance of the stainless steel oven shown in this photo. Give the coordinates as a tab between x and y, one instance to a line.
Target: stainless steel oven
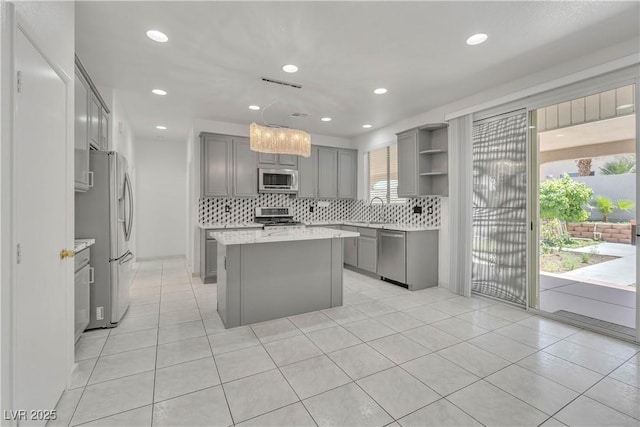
277	181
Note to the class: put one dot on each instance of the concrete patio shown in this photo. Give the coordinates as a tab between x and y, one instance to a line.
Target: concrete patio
603	291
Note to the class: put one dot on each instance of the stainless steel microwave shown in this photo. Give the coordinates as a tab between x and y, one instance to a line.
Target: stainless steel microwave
277	181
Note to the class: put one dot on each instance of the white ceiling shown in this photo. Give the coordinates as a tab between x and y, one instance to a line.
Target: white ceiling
217	52
610	130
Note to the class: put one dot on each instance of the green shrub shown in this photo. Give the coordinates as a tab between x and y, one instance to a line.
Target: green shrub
563	199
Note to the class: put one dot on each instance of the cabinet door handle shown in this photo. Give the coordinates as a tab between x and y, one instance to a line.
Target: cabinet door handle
92	275
90	176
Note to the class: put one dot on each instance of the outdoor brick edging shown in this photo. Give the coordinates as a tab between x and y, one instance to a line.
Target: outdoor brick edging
611	232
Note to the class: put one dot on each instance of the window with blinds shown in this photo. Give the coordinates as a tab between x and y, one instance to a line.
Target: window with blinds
383	174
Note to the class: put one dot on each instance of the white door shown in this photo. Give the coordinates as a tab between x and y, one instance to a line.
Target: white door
40	216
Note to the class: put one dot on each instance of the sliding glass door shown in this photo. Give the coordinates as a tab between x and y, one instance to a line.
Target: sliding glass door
584	202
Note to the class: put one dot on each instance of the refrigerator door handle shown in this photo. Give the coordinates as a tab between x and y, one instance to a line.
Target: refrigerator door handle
126	254
129	191
126	258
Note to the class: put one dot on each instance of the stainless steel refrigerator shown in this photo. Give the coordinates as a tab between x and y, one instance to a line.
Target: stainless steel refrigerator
105	213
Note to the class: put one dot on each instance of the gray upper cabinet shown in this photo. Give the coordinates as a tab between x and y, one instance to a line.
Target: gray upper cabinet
423	161
284	161
229	167
308	175
216	158
407	164
327	173
81	135
268	159
104	130
288	160
347	177
94	122
245	169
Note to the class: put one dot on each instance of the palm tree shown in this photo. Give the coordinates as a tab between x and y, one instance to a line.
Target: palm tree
619	166
606	207
584	167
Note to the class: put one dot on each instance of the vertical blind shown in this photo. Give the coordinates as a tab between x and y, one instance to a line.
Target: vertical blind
383	174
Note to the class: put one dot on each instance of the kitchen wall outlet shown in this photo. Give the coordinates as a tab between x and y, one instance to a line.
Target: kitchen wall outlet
324	203
311	208
430	210
417	209
227	208
99	313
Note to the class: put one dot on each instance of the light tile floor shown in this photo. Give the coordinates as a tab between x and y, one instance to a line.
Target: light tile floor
389	356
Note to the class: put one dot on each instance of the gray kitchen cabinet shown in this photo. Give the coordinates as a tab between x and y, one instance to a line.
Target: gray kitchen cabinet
308	175
347	176
81	135
104	130
327	173
211	261
245	169
408	164
82	281
368	249
289	160
216	159
229	167
285	161
350	247
268	159
423	161
95	109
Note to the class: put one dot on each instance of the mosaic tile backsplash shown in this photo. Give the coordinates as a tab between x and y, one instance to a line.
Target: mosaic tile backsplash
212	210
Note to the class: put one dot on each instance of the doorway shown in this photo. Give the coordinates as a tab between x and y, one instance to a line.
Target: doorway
584	192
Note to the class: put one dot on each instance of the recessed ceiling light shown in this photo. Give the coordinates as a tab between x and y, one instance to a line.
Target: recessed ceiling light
159	92
326	119
157	36
289	68
161	127
622	107
477	39
559	134
367	126
380	91
254	107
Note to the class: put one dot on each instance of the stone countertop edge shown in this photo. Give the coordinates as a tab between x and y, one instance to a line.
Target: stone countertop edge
82	244
262	236
390	226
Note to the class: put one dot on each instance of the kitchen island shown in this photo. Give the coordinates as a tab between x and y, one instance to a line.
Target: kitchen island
270	274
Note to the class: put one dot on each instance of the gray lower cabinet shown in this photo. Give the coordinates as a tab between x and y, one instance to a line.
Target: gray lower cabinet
82	282
308	175
209	255
350	247
229	167
367	253
81	135
327	173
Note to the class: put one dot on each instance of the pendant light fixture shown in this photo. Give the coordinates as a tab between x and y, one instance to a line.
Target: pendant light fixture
278	139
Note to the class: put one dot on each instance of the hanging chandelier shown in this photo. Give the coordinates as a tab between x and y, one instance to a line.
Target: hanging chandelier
280	140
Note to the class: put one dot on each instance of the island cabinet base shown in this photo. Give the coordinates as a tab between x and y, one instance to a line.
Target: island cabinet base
266	281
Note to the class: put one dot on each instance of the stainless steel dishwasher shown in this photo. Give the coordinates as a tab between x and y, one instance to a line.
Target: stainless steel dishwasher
392	254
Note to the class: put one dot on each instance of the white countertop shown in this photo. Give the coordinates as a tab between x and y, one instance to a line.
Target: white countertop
223	225
244	237
81	244
389	226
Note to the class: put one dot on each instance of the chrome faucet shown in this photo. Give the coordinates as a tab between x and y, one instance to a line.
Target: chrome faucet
382	215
